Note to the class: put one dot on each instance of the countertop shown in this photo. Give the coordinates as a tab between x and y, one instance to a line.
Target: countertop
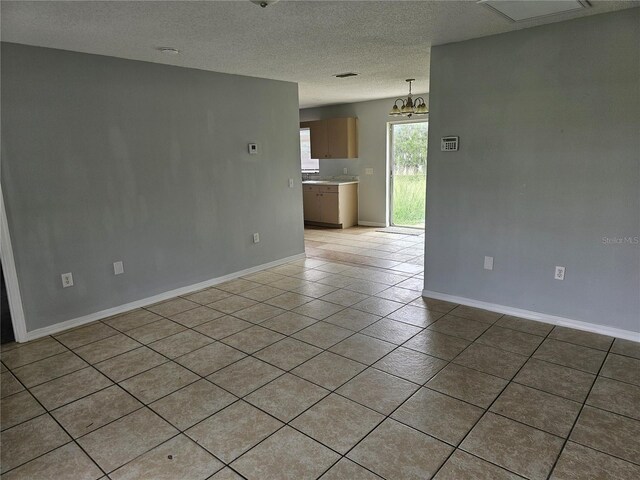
329	182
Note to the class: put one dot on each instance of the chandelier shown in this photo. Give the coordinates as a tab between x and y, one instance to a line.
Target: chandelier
409	105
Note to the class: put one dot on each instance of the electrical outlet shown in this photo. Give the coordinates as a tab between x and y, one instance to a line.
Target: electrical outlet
118	268
488	263
253	148
368	171
559	275
256	238
67	280
291	183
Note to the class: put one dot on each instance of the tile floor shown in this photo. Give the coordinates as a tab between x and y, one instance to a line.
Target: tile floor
330	367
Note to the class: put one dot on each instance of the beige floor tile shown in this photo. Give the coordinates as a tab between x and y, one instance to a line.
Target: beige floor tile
233	431
49	368
344	297
395	451
337	281
311	275
196	316
31	352
466	384
84	335
577	462
265	292
401	295
579	337
378	306
366	287
346	469
510	340
465	328
288	353
121	441
180	343
96	410
223	327
286	397
209	295
172	307
66	389
286	454
475	314
239	285
351	319
159	381
191	404
491	360
462	465
318	309
615	396
537	409
232	304
226	474
329	370
378	390
322	334
288	301
609	433
363	349
209	359
66	462
288	323
438	415
133	319
437	344
563	381
521	449
290	283
258	313
410	365
625	369
253	339
18	408
177	458
315	290
425	302
626	347
420	317
155	331
244	376
109	347
29	440
533	327
570	355
337	422
131	363
391	331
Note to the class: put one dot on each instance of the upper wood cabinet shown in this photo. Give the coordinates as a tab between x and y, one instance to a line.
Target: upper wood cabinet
333	138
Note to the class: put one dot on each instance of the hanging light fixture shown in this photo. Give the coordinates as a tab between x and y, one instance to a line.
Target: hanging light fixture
409	106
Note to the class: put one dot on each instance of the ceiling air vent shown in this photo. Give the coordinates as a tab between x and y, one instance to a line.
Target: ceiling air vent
345	75
523	10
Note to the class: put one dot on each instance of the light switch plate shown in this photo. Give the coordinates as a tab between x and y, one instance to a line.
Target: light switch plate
118	268
368	171
488	263
291	183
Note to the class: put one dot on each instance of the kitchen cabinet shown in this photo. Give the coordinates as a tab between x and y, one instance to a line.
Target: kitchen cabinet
331	205
333	138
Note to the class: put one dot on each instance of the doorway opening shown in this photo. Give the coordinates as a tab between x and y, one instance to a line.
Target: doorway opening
408	173
6	324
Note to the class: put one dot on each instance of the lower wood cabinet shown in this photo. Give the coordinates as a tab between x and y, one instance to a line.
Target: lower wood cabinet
332	205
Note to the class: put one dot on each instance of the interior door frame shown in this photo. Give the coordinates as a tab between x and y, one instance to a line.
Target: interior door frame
421	119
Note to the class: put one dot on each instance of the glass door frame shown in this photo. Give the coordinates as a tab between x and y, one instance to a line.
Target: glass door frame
390	164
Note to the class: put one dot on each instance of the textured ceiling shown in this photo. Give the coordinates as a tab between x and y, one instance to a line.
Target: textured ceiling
300	41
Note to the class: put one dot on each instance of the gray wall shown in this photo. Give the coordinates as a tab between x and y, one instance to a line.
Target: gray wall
549	164
373	117
105	159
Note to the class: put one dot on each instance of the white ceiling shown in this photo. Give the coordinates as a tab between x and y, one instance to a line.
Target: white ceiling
300	41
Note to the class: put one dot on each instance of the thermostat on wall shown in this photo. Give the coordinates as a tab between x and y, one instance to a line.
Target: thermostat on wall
449	144
253	148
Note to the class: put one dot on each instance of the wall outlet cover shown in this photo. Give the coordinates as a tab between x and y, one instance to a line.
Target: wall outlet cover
67	280
559	274
488	263
291	183
368	171
256	238
118	268
253	149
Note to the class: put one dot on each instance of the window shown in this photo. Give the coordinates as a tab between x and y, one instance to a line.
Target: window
308	164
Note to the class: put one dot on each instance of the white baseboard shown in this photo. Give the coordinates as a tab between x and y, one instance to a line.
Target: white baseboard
92	317
540	317
371	224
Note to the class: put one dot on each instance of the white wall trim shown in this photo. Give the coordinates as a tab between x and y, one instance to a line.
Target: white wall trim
92	317
371	224
11	276
540	317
